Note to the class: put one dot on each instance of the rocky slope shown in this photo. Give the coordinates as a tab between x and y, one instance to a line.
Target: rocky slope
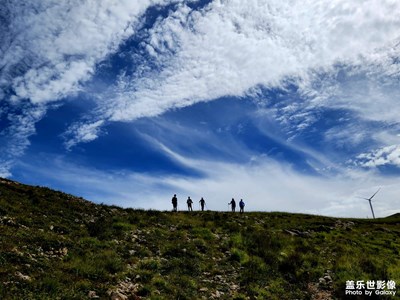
57	246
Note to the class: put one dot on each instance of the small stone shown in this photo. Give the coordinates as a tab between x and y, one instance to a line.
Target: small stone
22	276
64	251
217	294
118	296
51	227
218	277
204	289
92	294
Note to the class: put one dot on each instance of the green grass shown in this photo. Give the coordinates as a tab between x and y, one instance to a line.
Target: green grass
69	247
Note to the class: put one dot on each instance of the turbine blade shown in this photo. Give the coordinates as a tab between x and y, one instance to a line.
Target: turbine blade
374	194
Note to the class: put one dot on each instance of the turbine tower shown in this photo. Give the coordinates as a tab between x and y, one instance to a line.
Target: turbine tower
370	202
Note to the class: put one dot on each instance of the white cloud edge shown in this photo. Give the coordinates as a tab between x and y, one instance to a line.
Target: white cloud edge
389	155
266	186
203	65
175	75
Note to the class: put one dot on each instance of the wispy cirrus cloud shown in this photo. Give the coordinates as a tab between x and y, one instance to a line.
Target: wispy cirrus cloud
264	184
48	50
340	55
389	155
229	48
14	138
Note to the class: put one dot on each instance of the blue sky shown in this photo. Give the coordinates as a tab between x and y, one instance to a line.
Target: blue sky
291	106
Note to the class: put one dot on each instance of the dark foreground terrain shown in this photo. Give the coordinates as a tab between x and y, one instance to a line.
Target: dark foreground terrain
57	246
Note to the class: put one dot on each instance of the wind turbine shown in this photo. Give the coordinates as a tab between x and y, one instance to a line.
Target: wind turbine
370	203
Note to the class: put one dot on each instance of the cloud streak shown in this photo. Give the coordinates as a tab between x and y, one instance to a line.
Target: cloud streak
340	56
48	50
229	48
265	185
52	47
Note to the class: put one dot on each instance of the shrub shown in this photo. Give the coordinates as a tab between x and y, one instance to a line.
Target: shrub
100	228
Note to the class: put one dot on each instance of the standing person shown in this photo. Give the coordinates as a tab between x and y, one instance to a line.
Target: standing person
232	204
202	203
241	205
189	204
174	203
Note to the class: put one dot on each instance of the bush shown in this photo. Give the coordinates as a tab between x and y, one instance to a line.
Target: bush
261	243
100	228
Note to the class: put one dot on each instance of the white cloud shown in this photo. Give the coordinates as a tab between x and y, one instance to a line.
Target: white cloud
51	47
48	49
4	169
226	49
83	132
231	47
14	138
389	155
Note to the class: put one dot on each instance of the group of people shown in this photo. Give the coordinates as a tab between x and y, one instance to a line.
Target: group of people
233	205
202	202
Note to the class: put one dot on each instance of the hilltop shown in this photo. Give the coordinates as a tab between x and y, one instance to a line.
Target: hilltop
57	246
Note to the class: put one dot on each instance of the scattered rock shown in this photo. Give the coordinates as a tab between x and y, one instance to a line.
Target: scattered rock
92	295
125	290
295	232
326	282
291	232
319	294
346	225
8	221
22	276
16	251
63	251
217	294
218	277
118	296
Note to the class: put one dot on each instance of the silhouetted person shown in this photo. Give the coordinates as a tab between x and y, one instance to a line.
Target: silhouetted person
241	205
232	204
174	203
202	203
189	203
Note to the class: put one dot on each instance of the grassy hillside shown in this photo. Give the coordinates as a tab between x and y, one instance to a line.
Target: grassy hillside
57	246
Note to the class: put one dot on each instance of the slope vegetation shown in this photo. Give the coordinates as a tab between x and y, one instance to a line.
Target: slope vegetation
57	246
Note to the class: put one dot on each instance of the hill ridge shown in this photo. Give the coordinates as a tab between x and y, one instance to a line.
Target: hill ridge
56	245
